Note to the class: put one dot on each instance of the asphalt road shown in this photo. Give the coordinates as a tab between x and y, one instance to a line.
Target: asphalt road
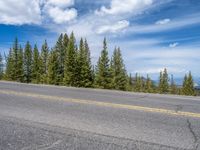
49	117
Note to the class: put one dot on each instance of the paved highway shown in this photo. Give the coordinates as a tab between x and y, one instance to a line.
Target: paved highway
49	117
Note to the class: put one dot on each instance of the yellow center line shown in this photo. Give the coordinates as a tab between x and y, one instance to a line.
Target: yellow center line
105	104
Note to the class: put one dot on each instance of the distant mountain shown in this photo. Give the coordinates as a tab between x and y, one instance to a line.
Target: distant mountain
179	82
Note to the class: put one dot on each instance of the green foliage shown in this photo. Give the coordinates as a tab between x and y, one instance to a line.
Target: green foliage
173	87
163	84
67	64
138	84
20	69
120	79
53	68
149	87
28	62
188	85
70	72
9	66
130	83
84	68
14	63
103	78
37	66
61	52
44	65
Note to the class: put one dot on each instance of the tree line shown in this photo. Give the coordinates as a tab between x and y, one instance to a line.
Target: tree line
69	64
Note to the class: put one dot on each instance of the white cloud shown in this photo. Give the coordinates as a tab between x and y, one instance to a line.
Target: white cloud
172	25
36	11
59	12
20	12
172	45
162	22
126	6
113	28
60	3
60	16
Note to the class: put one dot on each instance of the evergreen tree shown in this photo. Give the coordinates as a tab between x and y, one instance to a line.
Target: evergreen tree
165	81
9	73
173	87
84	68
70	74
87	71
148	85
61	52
130	83
188	85
163	84
103	77
53	66
15	52
184	88
120	79
28	63
12	62
65	42
139	83
20	69
1	67
160	86
36	70
44	58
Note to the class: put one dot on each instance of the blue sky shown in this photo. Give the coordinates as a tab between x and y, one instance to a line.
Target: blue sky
152	34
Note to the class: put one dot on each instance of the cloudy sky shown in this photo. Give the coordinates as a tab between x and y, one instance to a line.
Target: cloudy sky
153	34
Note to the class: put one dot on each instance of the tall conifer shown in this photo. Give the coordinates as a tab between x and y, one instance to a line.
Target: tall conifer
28	62
70	74
44	58
103	77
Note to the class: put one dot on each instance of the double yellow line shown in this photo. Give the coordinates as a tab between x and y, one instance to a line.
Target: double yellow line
104	104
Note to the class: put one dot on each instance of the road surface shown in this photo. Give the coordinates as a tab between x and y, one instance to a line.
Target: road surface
55	118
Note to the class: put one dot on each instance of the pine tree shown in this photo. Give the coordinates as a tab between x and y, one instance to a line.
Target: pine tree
15	52
139	83
36	70
65	42
70	74
1	67
184	88
191	90
173	87
165	81
103	77
53	66
148	85
163	84
61	52
81	61
130	83
188	85
20	69
88	72
120	79
84	68
28	63
12	62
44	58
9	73
160	86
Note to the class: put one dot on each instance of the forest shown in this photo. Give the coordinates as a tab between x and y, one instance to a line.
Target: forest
68	63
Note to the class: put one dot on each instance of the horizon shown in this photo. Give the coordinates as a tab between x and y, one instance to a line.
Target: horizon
152	35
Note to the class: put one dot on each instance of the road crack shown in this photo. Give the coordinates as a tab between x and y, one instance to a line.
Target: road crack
196	144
